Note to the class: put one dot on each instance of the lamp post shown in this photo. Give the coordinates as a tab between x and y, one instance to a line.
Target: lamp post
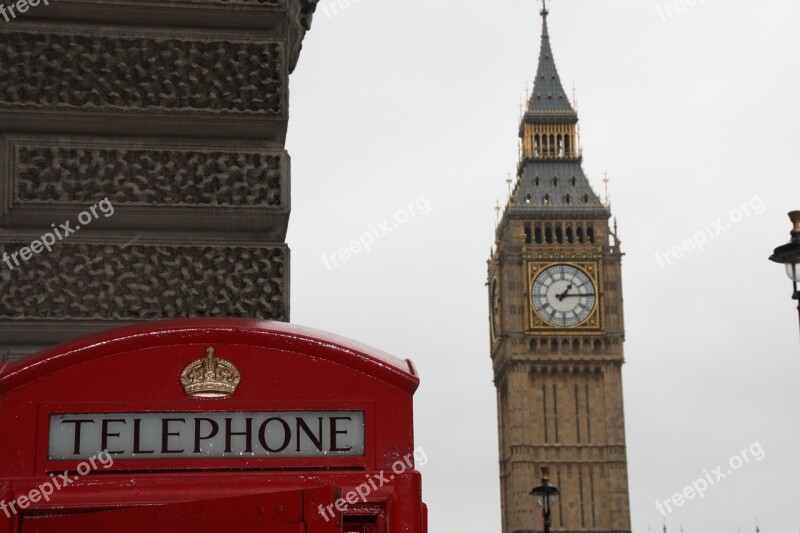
789	255
545	492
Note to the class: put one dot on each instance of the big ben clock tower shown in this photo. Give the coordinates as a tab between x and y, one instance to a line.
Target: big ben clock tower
556	326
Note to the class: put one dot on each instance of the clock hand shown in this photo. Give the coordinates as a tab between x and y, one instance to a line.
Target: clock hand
563	294
578	295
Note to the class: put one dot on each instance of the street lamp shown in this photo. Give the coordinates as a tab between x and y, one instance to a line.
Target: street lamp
789	255
545	492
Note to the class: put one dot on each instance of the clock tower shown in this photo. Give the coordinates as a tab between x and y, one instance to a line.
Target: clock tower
556	327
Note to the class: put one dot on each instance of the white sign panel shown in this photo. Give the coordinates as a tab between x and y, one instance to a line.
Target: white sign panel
215	434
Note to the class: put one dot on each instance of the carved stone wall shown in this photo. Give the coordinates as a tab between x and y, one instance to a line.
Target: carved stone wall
127	176
89	71
108	282
175	112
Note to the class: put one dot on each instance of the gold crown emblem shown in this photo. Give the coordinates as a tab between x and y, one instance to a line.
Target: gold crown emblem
210	377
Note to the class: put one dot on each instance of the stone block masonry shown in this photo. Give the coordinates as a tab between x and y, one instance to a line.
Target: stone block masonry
173	111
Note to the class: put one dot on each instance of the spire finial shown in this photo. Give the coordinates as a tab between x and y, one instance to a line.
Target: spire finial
544	12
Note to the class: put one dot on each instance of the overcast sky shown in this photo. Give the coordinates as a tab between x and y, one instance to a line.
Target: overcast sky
406	111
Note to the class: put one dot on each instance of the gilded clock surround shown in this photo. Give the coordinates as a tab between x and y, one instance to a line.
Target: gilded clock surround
593	322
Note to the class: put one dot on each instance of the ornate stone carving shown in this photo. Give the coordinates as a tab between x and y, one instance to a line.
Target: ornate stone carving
49	70
127	176
307	8
107	282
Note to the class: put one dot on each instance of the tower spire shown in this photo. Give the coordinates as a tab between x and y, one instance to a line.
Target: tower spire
551	177
548	93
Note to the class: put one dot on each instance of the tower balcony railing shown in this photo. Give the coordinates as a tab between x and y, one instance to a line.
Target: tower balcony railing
524	158
553	155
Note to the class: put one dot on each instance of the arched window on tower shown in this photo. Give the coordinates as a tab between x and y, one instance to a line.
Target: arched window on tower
552	146
590	234
580	234
548	234
598	346
536	146
538	234
559	234
573	181
570	235
555	181
536	181
568	199
554	346
560	147
546	199
586	198
568	145
576	346
527	233
533	345
527	198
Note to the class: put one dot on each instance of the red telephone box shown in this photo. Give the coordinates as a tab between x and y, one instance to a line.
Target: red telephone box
209	425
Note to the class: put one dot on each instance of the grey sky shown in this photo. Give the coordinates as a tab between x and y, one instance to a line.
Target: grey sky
693	115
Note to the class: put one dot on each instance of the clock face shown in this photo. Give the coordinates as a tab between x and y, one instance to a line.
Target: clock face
563	295
495	302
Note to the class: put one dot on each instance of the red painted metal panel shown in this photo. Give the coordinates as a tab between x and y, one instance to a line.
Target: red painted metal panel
272	513
313	500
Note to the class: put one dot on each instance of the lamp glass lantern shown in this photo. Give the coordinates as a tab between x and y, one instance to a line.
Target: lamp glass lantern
793	271
789	254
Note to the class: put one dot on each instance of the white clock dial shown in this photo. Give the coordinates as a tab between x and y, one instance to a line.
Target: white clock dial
563	295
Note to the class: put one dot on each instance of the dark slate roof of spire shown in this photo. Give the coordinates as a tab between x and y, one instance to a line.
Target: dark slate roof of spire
548	95
562	188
